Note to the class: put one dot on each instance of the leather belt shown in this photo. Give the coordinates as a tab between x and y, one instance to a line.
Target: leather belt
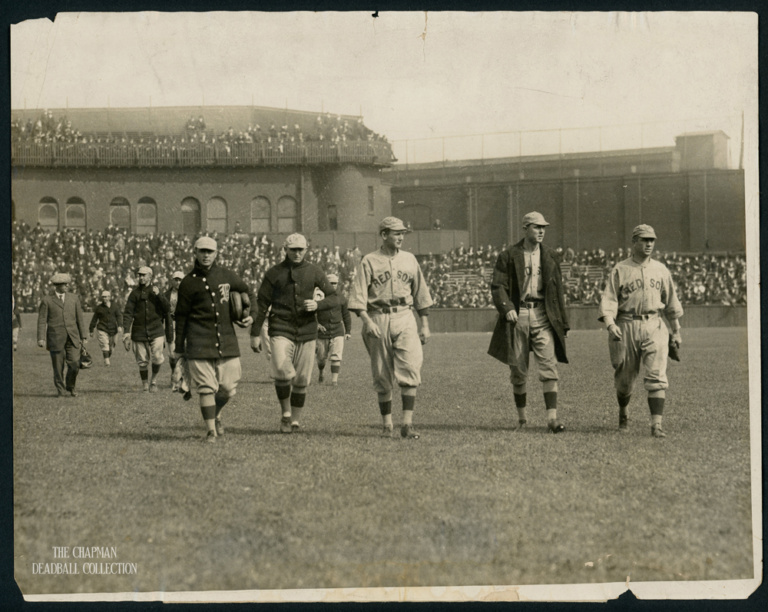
389	309
532	304
647	316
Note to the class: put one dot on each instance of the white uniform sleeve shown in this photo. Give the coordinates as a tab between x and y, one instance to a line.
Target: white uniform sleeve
358	294
421	297
609	304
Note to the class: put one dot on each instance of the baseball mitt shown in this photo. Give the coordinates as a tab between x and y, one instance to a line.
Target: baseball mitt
239	307
674	350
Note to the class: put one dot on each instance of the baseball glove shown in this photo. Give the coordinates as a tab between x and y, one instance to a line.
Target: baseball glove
674	349
239	307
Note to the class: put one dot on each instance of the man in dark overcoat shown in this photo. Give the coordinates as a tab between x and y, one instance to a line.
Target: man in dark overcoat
61	330
527	290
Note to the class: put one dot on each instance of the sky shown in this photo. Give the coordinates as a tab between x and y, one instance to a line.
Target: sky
528	82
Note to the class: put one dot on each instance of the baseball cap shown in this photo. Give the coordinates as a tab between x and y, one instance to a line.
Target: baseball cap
106	293
206	242
295	241
534	218
392	223
178	274
332	278
145	270
60	278
643	231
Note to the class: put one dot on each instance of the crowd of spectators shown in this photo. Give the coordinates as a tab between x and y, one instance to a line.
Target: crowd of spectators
328	128
46	129
460	278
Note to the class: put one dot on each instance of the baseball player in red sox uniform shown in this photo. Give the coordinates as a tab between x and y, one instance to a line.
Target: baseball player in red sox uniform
289	288
334	326
388	286
638	291
527	290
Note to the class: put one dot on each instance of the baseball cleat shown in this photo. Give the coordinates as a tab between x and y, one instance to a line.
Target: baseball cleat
73	393
406	431
145	386
555	427
210	437
623	424
219	427
320	378
658	432
153	387
285	425
187	396
521	424
295	427
334	384
106	362
386	431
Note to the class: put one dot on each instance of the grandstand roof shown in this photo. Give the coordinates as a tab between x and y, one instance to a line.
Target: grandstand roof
172	119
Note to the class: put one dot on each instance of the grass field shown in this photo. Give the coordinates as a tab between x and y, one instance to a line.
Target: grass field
470	503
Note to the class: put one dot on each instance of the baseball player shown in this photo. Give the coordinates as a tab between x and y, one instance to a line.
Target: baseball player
289	288
388	286
205	335
334	326
527	290
107	320
638	291
172	295
146	319
16	324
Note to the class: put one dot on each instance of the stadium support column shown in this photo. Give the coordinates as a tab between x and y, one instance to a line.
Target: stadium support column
471	205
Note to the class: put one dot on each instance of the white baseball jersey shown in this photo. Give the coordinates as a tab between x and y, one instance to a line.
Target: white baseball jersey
639	289
382	281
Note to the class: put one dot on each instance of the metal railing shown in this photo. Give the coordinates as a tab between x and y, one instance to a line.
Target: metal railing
119	155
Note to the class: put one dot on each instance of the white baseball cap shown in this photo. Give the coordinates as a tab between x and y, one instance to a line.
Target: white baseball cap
296	241
534	218
206	242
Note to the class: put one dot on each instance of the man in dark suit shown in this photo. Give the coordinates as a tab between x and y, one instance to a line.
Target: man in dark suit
61	330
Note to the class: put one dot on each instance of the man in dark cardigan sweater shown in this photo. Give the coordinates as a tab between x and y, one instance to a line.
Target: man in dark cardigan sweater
205	335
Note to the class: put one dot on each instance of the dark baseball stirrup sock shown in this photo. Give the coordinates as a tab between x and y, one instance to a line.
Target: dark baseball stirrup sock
623	403
297	399
105	354
155	370
335	369
144	374
385	408
283	391
550	400
656	404
221	401
207	407
409	402
520	399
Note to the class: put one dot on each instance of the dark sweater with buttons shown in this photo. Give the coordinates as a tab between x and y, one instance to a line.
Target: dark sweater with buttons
285	287
203	324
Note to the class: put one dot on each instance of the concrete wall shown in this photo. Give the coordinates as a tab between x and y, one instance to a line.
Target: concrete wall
692	211
346	186
447	320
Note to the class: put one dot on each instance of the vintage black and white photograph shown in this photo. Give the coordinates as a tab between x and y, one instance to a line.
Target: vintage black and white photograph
385	307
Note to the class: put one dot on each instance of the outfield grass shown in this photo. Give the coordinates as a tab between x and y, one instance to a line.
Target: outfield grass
470	503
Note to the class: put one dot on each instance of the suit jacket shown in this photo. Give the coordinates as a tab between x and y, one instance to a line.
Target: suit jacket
506	288
56	321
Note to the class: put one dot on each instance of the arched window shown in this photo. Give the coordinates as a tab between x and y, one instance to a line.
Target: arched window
146	216
190	216
286	215
216	211
120	213
48	214
74	214
261	214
